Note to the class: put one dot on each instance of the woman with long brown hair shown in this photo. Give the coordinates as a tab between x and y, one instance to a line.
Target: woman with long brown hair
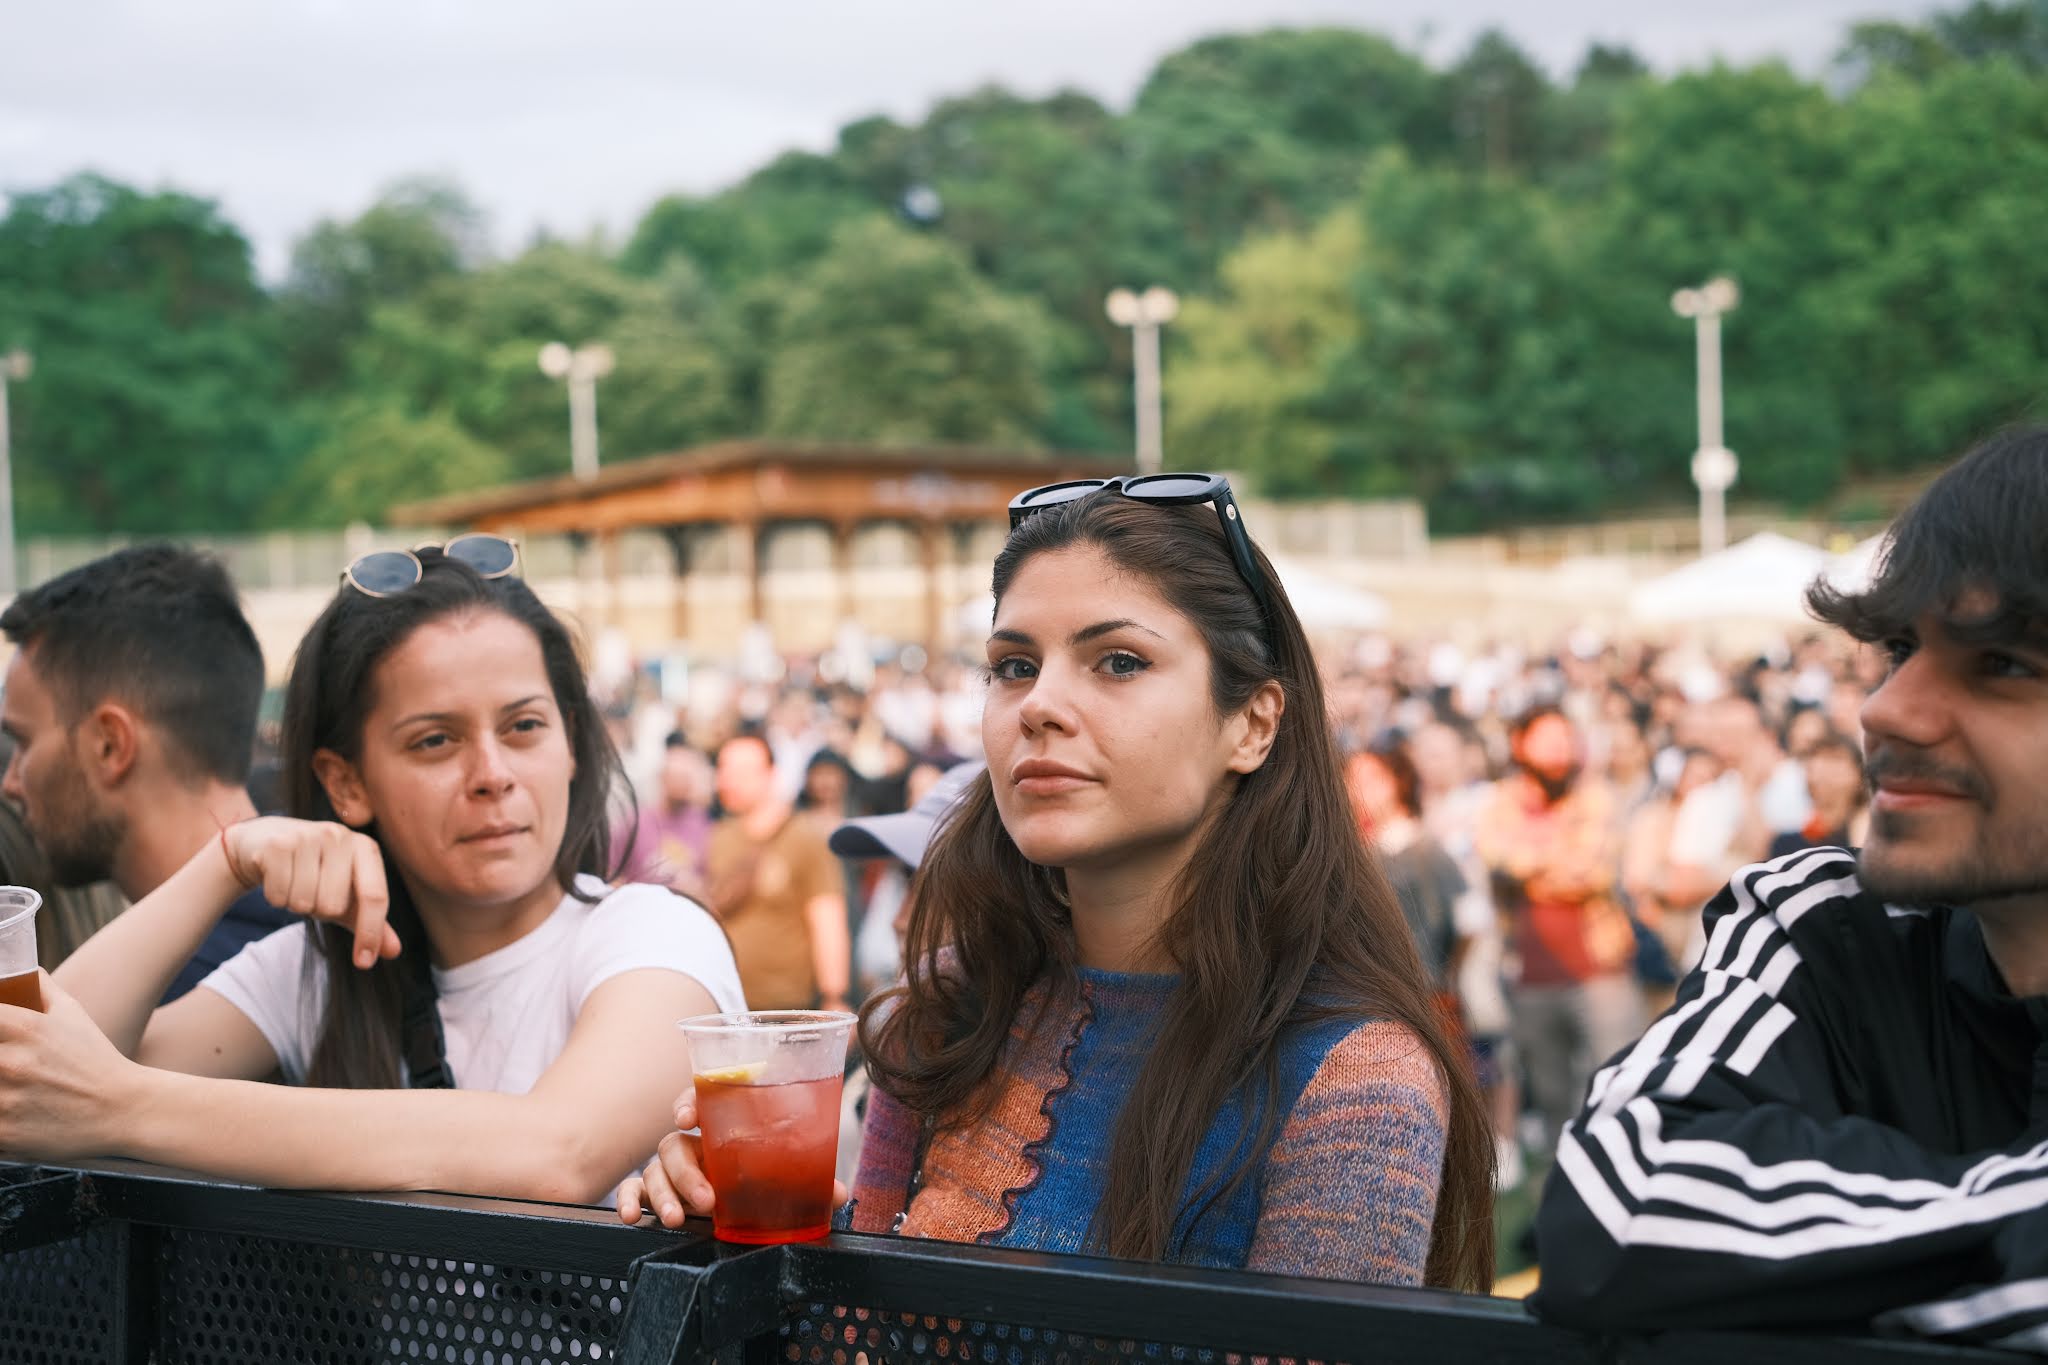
1160	1003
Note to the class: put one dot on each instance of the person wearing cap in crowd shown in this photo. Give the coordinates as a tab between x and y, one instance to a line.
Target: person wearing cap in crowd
893	846
890	847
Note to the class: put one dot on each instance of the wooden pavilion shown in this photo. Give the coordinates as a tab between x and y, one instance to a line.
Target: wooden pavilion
758	487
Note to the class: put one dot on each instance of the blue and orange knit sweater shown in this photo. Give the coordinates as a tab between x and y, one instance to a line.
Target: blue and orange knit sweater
1346	1191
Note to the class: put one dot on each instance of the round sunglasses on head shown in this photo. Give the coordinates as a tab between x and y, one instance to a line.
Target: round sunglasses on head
385	573
1164	490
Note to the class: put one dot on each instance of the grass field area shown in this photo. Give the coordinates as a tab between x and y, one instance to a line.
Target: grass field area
1513	1211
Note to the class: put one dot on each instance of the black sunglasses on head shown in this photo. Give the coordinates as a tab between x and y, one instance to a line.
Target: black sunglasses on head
386	573
1164	490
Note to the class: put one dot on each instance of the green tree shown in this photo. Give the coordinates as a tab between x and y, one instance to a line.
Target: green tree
781	219
1039	194
1886	46
1499	105
1268	131
892	337
1943	207
1724	171
418	233
1466	382
156	400
460	358
1452	281
1579	120
1248	365
374	456
1985	30
1981	31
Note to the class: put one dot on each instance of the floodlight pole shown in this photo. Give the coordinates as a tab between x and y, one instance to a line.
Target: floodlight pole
582	368
1714	466
1145	314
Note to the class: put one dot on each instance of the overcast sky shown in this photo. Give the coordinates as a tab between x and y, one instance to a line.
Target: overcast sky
577	114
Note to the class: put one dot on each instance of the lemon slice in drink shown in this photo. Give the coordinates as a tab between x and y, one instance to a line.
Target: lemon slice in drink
745	1074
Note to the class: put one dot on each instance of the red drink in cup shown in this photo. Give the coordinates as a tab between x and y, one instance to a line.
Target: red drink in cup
768	1108
769	1151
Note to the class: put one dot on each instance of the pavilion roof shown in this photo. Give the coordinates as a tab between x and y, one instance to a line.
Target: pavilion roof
758	481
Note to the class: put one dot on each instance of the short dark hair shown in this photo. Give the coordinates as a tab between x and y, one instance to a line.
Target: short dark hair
750	735
1982	525
1835	742
160	629
1529	715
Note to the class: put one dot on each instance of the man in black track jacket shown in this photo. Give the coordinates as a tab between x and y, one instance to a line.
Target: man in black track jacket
1844	1117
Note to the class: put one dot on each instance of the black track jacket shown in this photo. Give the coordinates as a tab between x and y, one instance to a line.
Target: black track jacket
1844	1118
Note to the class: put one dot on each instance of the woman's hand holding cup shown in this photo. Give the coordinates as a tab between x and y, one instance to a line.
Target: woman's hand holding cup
674	1182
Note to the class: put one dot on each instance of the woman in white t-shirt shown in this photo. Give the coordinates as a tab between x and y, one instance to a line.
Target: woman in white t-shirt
468	1006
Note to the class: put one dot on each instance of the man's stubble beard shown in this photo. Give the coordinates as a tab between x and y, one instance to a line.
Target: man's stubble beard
1994	866
81	841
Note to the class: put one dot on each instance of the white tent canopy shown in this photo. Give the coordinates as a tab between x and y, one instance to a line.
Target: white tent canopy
1853	569
1762	579
1326	604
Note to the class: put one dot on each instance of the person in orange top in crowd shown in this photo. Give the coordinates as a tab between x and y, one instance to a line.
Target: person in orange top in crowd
1550	838
777	888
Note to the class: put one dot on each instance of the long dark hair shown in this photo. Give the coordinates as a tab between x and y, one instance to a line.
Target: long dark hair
1283	919
330	694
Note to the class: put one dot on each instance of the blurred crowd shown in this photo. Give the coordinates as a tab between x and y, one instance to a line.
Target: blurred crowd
1555	823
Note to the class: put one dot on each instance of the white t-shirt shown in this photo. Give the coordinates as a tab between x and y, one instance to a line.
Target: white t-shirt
1707	823
1784	800
508	1014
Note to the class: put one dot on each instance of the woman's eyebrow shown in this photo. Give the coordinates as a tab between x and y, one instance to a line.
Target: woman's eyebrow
1102	628
1079	637
436	717
448	717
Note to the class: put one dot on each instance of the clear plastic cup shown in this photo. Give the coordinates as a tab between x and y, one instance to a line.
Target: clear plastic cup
768	1108
19	984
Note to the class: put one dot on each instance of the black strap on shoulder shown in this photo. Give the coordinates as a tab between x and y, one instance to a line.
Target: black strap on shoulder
423	1043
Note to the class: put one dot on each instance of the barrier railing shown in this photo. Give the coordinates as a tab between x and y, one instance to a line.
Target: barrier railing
114	1262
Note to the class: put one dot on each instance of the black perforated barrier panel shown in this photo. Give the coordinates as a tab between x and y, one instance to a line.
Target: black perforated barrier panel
230	1300
58	1302
827	1334
117	1264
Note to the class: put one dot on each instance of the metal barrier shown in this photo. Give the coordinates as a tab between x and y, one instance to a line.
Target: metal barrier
117	1262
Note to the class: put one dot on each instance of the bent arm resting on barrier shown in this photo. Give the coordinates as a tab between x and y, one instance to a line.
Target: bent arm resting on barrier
66	1092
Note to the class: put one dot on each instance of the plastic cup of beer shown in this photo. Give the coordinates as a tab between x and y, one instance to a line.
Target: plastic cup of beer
768	1109
19	984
